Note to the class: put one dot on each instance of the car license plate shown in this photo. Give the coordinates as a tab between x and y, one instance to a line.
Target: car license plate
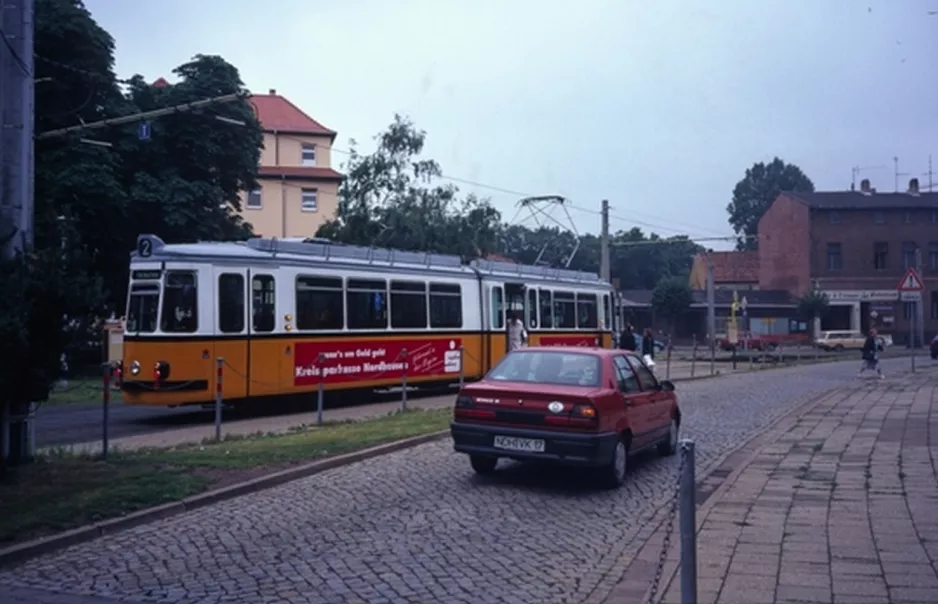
513	443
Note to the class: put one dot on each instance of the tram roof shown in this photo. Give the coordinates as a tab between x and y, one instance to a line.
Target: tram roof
301	251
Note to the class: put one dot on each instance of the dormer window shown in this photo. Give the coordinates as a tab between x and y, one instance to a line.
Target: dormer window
309	156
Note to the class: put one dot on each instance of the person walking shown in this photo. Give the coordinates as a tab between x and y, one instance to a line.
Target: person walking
627	338
871	349
517	335
648	344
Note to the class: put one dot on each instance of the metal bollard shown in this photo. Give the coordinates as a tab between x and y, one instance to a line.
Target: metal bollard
220	361
713	357
462	371
404	382
667	367
688	526
106	401
321	394
693	356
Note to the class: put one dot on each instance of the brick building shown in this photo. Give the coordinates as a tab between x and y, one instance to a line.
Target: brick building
855	246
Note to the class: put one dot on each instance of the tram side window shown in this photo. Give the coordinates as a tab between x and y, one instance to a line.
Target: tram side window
498	307
142	307
319	303
231	303
367	303
445	306
547	314
564	310
587	315
531	309
408	305
607	313
263	309
180	313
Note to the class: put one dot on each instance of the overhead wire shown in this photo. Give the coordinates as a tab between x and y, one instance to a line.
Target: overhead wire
16	57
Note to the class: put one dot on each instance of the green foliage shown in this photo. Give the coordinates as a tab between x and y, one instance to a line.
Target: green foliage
672	297
813	305
392	198
753	195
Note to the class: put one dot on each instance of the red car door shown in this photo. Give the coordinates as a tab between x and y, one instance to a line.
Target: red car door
638	404
660	400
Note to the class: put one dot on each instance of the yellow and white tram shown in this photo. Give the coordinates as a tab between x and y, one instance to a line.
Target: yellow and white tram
285	315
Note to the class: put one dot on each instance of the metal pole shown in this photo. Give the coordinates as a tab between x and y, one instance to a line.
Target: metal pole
321	393
688	526
711	316
912	335
667	368
920	302
693	355
31	420
462	371
220	363
404	382
604	266
106	400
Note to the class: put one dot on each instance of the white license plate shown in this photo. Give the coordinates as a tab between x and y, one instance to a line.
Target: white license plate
513	443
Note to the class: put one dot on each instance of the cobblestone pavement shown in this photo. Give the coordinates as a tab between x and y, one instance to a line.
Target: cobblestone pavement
418	526
842	507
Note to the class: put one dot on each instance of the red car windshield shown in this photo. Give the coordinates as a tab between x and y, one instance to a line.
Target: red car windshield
548	367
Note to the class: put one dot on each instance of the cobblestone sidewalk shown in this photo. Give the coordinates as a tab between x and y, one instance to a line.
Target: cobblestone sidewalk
841	506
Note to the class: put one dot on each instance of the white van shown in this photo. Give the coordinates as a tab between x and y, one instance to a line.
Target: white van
840	340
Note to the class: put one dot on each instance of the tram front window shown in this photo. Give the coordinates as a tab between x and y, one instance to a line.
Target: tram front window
142	307
180	303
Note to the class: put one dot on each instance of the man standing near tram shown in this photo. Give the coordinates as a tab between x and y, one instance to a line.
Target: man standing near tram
517	335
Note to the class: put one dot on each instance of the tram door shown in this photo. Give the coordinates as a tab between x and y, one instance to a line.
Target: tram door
232	331
515	297
270	359
495	335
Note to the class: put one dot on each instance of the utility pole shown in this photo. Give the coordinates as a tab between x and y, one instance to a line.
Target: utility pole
16	127
711	315
604	268
920	304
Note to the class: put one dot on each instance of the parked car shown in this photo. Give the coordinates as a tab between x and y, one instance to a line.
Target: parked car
839	340
587	407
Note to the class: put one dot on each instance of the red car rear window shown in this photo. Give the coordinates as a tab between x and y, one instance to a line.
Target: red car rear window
548	367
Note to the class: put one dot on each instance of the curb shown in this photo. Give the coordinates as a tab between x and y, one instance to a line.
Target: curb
22	552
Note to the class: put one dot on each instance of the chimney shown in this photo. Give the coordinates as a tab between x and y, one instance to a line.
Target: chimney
913	187
272	92
865	186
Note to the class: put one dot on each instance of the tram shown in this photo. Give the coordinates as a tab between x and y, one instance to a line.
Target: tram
286	315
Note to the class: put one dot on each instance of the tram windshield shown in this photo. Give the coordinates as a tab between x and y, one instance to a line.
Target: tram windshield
142	307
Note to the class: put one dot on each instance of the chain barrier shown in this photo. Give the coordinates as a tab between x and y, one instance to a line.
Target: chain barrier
668	527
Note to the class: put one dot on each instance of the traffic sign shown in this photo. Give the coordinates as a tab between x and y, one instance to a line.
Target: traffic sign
910	296
911	282
143	130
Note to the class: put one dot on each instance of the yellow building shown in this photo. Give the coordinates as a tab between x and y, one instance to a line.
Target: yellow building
298	188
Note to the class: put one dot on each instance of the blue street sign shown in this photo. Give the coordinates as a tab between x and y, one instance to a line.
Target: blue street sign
143	131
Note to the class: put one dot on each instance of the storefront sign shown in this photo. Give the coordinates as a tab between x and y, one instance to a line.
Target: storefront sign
858	295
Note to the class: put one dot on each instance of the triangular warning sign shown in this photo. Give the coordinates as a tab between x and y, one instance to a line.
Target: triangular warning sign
911	282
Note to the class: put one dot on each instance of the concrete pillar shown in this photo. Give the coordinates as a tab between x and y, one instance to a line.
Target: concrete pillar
855	319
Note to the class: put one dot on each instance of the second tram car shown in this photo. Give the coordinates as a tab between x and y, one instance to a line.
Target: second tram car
286	315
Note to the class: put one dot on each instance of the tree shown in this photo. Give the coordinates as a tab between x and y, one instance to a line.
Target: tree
753	195
813	305
671	298
393	198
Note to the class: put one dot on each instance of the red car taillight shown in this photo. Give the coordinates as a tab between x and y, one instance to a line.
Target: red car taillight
582	415
465	409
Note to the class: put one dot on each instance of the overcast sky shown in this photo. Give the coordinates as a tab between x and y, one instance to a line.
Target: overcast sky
659	106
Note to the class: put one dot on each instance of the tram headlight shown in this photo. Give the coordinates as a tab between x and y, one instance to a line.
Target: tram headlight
135	368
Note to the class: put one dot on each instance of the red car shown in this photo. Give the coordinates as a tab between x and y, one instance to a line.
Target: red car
588	407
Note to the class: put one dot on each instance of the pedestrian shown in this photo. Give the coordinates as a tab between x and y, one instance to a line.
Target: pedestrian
871	349
517	335
648	344
627	338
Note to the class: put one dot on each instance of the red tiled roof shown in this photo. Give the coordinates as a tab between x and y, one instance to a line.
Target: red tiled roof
300	172
735	267
160	83
277	113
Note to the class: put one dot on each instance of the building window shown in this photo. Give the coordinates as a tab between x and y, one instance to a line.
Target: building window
933	256
834	217
909	248
934	305
254	199
835	258
879	218
880	255
310	203
907	218
309	156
